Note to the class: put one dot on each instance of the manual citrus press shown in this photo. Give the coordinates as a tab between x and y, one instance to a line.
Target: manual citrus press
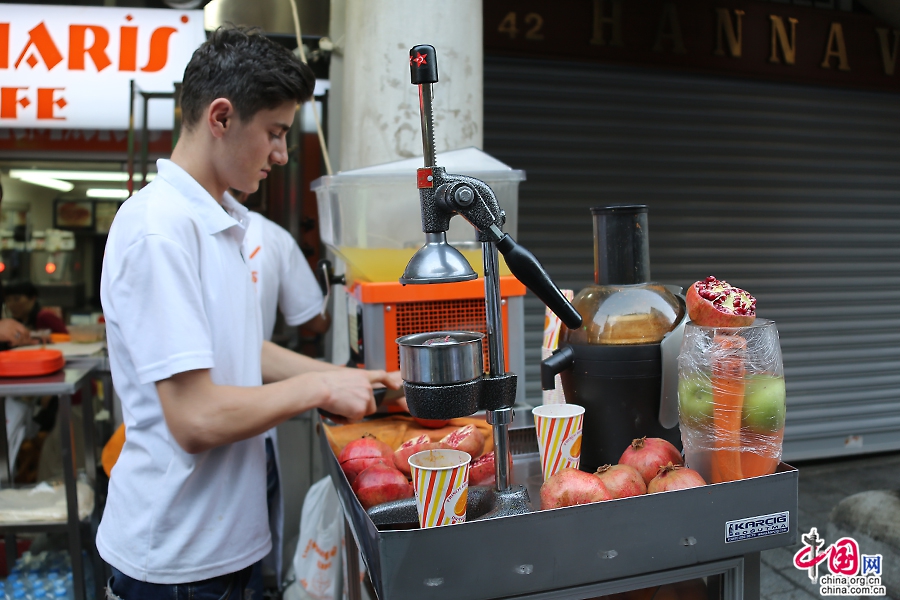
442	378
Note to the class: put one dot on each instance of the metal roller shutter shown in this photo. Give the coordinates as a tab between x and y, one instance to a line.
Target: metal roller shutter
788	191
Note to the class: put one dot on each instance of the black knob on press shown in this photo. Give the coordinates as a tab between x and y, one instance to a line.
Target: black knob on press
423	64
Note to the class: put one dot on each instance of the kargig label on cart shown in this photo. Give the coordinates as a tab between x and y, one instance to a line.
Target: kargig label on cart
754	527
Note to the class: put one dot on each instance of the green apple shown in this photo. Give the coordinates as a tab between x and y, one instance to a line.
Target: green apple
764	403
695	402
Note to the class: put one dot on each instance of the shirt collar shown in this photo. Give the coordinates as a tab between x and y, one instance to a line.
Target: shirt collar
202	203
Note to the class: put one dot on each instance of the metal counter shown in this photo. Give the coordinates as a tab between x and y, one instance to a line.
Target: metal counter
577	552
74	377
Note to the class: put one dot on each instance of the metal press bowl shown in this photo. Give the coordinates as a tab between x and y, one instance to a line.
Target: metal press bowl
455	357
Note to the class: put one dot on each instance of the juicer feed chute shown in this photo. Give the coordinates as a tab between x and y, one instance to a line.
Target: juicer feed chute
443	196
621	364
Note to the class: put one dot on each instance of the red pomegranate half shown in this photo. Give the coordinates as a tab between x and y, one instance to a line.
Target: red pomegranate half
381	483
672	477
647	455
481	470
410	447
570	487
622	481
360	454
714	303
468	439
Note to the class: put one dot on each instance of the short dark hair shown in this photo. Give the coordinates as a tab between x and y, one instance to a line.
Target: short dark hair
244	66
22	287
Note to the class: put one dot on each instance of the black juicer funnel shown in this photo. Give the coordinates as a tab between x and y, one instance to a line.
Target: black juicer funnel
621	245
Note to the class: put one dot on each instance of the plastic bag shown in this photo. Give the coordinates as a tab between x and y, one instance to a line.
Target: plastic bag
16	425
319	571
731	400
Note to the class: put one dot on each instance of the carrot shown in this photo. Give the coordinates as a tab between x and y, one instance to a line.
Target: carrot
754	465
755	447
728	400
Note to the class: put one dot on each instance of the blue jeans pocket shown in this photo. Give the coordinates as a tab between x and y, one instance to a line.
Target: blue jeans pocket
226	587
219	588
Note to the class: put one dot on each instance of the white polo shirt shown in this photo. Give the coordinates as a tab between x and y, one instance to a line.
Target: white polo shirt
282	275
283	280
178	296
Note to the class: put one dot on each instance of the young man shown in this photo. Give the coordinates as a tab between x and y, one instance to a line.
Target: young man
186	512
284	282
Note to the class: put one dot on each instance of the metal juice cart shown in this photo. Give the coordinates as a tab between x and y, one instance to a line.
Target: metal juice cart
716	531
508	547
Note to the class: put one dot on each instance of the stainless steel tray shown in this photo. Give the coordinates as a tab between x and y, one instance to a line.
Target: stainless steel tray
562	548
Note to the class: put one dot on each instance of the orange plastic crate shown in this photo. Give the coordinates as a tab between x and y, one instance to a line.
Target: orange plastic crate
435	307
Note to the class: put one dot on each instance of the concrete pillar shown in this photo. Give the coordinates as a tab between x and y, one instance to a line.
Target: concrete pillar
371	94
373	107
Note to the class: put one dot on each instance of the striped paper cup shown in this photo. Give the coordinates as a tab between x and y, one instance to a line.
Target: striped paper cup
559	436
441	481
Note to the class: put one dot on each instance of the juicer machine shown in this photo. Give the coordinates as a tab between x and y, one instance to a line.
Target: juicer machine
438	383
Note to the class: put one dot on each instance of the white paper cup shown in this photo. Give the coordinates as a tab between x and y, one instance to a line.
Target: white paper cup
441	481
559	436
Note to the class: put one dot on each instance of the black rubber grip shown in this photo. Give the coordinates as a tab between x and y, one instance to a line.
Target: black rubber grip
423	64
529	271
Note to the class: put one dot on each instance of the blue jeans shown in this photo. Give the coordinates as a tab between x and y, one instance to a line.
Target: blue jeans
225	587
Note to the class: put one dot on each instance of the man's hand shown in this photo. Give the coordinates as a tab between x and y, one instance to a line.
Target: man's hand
349	391
393	380
14	332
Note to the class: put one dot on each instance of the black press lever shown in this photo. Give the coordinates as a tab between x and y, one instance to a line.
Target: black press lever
528	269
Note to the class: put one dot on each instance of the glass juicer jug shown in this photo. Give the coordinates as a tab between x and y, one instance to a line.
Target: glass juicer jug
621	364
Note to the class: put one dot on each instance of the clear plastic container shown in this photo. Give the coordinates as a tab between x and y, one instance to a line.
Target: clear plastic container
731	400
371	217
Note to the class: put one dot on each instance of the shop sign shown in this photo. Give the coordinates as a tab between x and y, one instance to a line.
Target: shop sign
16	143
735	37
70	67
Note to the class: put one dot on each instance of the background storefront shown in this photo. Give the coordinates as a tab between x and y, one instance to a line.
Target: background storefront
789	190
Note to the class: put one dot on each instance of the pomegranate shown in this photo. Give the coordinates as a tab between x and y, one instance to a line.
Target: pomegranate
410	447
431	423
481	470
714	303
622	481
673	477
569	487
363	453
647	455
468	439
381	483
